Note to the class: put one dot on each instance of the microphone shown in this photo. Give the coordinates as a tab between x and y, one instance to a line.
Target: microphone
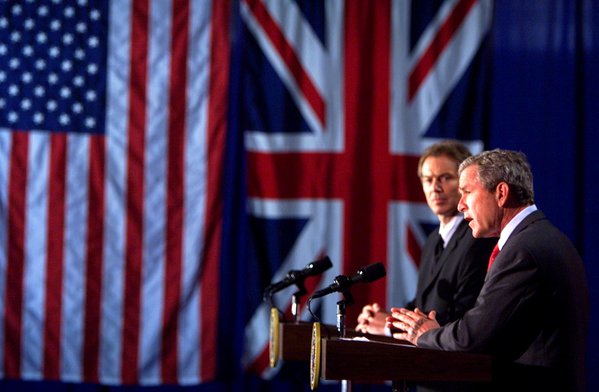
341	283
294	276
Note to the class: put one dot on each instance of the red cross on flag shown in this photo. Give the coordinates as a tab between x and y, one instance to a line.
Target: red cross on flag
338	100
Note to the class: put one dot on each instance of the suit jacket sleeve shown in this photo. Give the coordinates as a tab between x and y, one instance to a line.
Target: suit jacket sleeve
531	296
505	301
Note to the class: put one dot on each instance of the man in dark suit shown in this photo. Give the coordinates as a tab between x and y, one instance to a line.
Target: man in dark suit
532	312
453	263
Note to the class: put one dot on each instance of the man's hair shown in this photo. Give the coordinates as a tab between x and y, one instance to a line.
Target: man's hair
451	149
510	167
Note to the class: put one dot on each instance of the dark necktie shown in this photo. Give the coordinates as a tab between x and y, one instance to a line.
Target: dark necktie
439	248
493	256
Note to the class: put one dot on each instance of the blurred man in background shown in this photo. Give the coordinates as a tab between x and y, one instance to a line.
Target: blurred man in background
453	263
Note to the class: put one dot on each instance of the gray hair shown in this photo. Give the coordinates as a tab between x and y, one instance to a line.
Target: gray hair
511	167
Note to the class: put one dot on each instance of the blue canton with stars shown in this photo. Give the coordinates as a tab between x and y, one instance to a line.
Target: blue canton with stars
53	65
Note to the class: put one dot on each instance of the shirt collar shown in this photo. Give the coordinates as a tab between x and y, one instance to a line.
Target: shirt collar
509	228
446	230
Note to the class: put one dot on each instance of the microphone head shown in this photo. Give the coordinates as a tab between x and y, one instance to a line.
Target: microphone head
318	266
371	272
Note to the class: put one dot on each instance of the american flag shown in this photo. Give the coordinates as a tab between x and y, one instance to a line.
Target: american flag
340	98
112	135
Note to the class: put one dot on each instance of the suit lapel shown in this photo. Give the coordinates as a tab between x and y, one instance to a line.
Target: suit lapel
533	217
430	255
438	266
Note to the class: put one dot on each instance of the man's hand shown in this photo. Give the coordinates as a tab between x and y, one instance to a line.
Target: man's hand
412	323
372	320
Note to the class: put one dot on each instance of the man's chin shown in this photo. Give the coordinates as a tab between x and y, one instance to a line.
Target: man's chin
475	232
443	211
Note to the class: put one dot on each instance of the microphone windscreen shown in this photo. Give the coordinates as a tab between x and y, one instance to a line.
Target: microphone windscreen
321	265
372	272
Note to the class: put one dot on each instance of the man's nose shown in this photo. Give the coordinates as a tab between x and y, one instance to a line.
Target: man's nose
461	204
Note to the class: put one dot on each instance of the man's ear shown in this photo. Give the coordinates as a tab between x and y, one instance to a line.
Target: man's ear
502	192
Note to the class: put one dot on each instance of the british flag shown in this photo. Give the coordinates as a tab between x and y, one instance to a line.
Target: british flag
338	100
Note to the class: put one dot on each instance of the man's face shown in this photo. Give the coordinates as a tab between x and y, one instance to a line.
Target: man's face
479	206
439	177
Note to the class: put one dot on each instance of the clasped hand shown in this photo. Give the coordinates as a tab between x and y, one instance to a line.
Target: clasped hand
412	324
372	320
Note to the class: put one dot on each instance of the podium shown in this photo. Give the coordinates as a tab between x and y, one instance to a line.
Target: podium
295	339
375	361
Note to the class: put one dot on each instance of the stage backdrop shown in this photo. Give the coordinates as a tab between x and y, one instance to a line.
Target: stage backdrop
162	162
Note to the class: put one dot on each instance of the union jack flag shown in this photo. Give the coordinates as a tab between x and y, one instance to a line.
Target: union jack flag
110	211
338	100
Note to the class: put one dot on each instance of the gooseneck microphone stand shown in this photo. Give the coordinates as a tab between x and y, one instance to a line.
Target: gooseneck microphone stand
342	285
348	299
296	300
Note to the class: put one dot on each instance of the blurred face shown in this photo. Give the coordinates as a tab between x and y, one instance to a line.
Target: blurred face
480	207
439	177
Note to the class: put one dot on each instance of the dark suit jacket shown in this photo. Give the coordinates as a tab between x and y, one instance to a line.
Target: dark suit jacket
531	315
451	284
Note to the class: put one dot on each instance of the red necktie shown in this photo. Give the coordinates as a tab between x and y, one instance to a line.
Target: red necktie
493	256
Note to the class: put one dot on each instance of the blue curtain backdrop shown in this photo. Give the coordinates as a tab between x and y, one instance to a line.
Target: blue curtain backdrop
543	100
544	97
544	103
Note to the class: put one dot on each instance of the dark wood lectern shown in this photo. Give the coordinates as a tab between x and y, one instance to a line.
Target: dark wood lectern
295	339
379	358
371	361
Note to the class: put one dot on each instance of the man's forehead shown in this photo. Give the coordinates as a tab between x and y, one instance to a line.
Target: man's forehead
468	176
469	170
438	164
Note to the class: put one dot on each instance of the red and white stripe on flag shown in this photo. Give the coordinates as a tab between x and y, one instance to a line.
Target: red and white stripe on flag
109	242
